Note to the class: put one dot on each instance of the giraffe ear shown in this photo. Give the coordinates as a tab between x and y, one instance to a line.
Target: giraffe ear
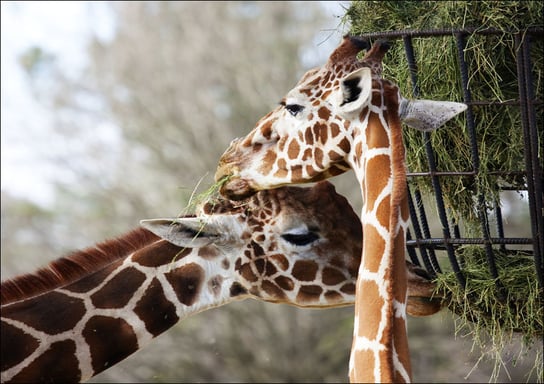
428	115
191	232
356	90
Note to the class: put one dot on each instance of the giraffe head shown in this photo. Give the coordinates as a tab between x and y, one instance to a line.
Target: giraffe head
310	135
298	246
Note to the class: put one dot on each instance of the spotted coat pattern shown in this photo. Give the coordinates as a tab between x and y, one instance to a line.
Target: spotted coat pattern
340	116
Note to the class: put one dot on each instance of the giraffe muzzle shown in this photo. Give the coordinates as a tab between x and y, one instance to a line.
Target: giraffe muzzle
236	188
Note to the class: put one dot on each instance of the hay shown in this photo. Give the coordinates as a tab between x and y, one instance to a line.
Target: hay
492	76
493	314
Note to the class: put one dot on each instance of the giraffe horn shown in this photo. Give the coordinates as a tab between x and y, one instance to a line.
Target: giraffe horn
348	49
378	50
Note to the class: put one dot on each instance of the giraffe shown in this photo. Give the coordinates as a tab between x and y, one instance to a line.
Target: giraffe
343	116
86	312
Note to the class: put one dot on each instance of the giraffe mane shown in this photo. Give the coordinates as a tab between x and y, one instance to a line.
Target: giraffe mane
74	266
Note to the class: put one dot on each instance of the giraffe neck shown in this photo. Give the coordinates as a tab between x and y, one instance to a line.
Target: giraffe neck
380	347
73	332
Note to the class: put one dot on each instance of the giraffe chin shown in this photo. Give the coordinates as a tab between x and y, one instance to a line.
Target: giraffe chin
237	189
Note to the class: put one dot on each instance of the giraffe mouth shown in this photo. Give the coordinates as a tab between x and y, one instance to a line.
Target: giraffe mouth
236	188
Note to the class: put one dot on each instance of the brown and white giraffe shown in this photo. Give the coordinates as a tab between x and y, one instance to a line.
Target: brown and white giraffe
84	313
340	116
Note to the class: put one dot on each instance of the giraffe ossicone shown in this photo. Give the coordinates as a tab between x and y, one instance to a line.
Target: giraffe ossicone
340	116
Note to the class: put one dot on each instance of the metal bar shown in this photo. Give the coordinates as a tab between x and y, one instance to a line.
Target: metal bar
535	214
410	57
431	267
471	128
471	240
500	227
446	32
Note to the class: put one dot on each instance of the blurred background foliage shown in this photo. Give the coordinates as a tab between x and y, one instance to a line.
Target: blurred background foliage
138	129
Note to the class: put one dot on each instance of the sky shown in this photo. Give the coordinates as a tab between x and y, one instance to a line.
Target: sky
61	28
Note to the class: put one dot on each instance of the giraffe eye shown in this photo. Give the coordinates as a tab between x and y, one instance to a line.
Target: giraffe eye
300	239
294	109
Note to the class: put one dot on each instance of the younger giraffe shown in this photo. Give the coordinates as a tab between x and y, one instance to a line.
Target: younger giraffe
279	246
340	116
86	312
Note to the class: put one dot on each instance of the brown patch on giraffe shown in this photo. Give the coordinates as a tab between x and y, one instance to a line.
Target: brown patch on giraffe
348	288
236	289
344	145
386	357
270	269
335	156
256	147
373	244
309	293
268	161
187	282
333	296
321	133
326	94
261	237
318	158
401	344
209	253
118	290
383	212
364	358
259	264
57	364
400	282
247	273
282	168
110	340
285	283
304	270
266	128
258	251
308	137
370	299
273	290
51	320
280	261
296	173
378	172
225	263
335	130
16	345
307	154
293	149
324	113
160	253
332	276
376	134
155	310
404	211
